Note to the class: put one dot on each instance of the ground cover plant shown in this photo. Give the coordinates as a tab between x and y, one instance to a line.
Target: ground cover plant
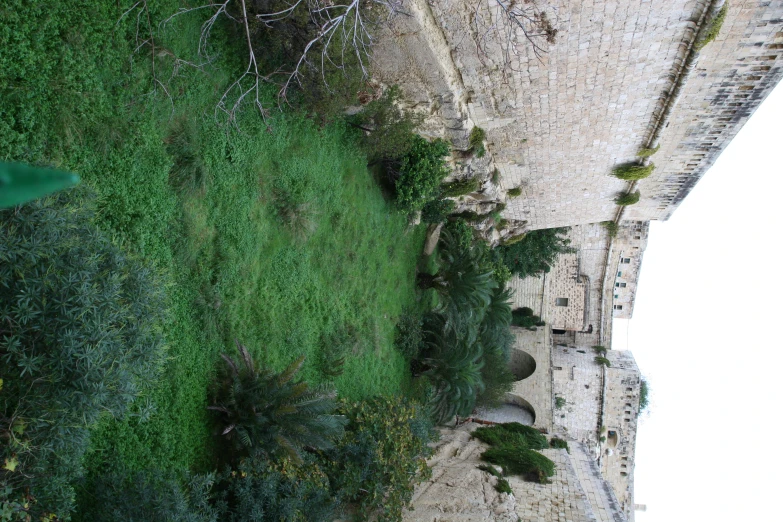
513	447
264	231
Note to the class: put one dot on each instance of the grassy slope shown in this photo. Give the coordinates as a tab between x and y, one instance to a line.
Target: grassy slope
73	98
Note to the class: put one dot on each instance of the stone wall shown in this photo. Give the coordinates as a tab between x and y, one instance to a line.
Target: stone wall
535	391
628	250
458	491
620	76
578	380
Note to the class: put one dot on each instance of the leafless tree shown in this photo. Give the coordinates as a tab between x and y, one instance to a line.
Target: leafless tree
506	29
341	28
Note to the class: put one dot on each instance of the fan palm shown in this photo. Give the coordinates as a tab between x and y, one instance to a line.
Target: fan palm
267	413
463	280
455	361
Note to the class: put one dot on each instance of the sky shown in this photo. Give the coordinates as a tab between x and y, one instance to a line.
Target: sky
704	333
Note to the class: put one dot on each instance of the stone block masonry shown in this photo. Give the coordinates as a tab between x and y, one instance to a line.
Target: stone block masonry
558	124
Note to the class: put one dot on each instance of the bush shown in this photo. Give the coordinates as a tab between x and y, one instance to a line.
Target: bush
525	311
714	28
420	173
519	461
460	187
334	349
388	130
535	252
646	153
559	443
600	350
632	171
461	233
269	414
611	228
511	432
408	334
382	456
628	198
80	336
603	360
514	192
476	139
437	211
151	495
279	489
644	395
559	402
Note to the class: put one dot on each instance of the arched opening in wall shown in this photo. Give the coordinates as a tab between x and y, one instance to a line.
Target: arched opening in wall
516	409
611	438
522	364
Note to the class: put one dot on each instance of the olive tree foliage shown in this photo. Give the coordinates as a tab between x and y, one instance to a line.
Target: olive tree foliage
331	35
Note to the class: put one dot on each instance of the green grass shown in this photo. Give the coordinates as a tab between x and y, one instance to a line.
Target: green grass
276	236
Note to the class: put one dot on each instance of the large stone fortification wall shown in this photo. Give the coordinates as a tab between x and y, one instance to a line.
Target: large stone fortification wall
621	75
458	491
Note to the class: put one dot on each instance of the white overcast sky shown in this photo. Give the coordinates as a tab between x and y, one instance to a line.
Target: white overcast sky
705	334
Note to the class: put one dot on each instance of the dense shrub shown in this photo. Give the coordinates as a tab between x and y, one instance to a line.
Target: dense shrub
461	233
437	211
476	139
559	402
408	334
279	489
644	395
603	361
80	327
611	228
599	350
536	252
388	129
514	192
460	187
628	198
647	152
269	414
513	448
714	28
559	443
633	171
382	456
524	318
152	495
419	173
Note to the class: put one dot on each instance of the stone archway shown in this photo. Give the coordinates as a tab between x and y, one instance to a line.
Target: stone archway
522	364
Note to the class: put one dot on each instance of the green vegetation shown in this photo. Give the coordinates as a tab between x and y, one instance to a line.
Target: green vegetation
419	173
628	198
275	234
496	177
714	28
524	318
268	414
460	187
535	253
646	152
512	446
476	140
514	192
644	396
611	228
387	130
437	211
600	350
559	443
408	336
633	171
603	361
81	325
559	402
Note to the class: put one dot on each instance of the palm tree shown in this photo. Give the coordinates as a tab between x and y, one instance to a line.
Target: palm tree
454	361
463	279
267	413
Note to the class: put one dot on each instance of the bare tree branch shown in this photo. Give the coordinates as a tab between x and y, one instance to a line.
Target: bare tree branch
497	25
